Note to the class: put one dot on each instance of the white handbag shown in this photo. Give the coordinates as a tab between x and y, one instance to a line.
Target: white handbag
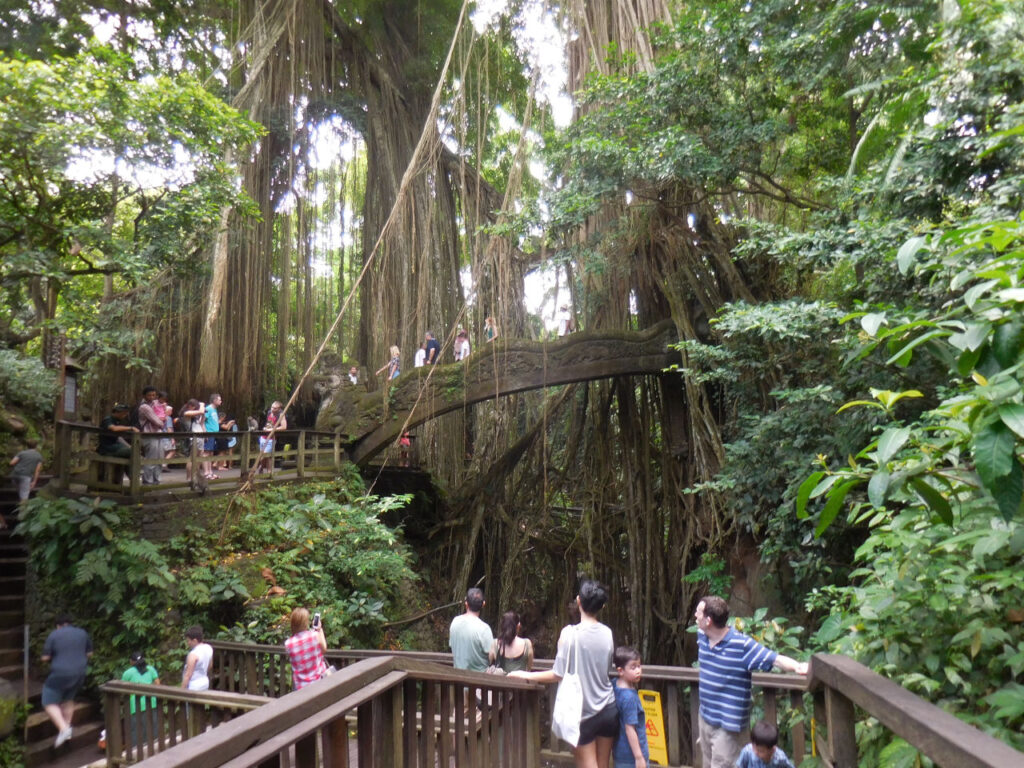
568	709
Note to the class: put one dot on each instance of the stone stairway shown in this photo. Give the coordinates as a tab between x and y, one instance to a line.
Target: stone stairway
88	718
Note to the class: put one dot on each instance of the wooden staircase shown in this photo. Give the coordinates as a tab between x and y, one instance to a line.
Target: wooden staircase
88	718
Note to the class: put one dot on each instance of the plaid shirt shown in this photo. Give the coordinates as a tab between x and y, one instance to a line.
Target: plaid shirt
307	658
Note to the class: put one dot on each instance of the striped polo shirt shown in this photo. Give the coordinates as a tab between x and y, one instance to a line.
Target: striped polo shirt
725	678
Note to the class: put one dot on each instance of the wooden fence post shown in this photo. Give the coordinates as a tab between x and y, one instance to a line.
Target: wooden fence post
300	454
112	722
135	467
841	735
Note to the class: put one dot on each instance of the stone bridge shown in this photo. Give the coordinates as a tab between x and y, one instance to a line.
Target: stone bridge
371	421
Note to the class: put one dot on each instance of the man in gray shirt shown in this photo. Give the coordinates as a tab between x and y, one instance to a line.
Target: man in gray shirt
469	637
68	649
25	474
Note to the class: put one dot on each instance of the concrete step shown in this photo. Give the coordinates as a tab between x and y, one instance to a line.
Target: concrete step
13	565
12	671
13	602
35	689
12	585
43	752
12	638
40	728
12	619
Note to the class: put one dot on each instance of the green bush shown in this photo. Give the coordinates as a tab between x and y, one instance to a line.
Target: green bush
322	544
26	383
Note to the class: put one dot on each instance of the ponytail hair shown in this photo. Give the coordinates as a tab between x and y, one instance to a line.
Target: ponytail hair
508	628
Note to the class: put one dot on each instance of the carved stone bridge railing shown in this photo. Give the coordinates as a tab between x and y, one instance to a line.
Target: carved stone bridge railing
370	421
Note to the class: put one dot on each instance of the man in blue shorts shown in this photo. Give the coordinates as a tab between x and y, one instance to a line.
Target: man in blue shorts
727	660
68	649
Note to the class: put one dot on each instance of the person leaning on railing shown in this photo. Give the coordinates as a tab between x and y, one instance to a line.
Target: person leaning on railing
306	649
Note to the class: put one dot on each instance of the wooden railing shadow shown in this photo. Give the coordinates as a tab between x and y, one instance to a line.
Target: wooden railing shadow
299	454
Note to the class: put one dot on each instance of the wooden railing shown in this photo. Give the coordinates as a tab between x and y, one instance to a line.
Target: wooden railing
839	684
171	716
263	670
419	687
404	711
302	454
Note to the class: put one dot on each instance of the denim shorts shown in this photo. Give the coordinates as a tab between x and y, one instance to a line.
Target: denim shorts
58	688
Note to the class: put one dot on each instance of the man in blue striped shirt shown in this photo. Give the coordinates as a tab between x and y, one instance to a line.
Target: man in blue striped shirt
727	660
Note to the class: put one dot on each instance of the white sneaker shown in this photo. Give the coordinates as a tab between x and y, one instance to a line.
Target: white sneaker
63	736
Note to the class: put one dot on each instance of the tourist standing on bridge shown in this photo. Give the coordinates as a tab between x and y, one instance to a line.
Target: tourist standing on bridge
600	723
461	346
469	637
392	366
490	329
67	649
433	348
152	423
727	660
211	423
191	420
141	708
276	421
420	357
195	676
353	376
509	651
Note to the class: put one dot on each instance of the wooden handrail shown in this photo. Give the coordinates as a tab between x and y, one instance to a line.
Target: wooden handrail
948	741
410	712
259	668
224	699
322	457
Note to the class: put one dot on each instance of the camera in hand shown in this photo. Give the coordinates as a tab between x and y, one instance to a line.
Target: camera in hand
316	621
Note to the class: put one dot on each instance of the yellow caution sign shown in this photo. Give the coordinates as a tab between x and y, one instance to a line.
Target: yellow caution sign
656	744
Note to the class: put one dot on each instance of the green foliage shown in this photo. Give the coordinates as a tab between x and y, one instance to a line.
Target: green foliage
107	170
12	751
712	574
322	543
938	612
25	382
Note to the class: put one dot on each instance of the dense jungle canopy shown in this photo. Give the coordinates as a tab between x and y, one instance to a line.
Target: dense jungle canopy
824	197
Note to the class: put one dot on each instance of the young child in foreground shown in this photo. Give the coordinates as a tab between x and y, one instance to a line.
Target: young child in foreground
631	744
762	751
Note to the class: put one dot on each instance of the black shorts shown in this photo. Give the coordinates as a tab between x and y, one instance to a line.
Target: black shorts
604	723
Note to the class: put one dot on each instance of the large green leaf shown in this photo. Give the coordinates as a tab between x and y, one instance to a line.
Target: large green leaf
878	488
993	453
804	493
936	502
890	443
1008	491
833	505
1012	415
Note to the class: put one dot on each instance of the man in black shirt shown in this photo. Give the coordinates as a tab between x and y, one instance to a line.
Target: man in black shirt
115	428
433	349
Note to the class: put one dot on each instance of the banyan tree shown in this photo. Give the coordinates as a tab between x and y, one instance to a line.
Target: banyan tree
389	197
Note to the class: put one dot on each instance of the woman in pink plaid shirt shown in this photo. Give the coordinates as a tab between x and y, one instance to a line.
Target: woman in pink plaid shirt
306	649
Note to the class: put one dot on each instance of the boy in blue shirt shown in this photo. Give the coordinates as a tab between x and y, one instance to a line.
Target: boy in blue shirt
762	751
631	744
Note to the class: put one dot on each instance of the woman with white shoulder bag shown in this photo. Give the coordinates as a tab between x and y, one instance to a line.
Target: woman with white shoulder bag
584	714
